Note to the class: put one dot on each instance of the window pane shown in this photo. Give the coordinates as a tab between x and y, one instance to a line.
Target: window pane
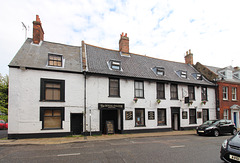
52	122
56	112
56	85
161	117
56	94
113	92
139	115
48	113
49	94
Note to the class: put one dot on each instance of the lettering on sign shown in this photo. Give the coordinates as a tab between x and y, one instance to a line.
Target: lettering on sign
111	106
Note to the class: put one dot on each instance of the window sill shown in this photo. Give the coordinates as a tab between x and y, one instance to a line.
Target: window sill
140	97
225	100
235	100
173	99
50	101
140	126
114	96
52	129
161	98
162	125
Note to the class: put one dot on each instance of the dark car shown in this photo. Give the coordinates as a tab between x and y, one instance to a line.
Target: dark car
3	124
230	150
216	127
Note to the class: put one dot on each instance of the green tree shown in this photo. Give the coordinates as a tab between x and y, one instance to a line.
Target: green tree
4	94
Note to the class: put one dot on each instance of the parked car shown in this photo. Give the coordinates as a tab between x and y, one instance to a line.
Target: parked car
216	127
230	150
3	124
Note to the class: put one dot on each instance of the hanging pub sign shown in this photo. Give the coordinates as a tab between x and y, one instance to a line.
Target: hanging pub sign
110	106
109	127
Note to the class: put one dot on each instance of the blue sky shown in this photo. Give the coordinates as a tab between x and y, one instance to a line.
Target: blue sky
163	29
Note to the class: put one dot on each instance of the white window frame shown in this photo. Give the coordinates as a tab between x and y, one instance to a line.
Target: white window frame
234	93
183	74
225	93
225	114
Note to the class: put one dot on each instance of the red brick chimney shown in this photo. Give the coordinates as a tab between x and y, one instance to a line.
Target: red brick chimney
189	57
124	43
38	33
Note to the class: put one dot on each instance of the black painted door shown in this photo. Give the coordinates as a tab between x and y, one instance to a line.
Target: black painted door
76	124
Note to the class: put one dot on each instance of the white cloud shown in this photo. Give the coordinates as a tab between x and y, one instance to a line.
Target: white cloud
163	29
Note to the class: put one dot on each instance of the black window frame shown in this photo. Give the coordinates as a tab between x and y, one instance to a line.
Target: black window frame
54	60
52	81
135	89
160	71
165	117
136	125
191	92
194	120
62	111
204	97
118	87
171	92
160	92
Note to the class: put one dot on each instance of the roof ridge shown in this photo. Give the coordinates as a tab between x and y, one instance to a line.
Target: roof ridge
57	43
135	54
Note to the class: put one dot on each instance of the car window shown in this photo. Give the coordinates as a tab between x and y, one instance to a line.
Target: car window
209	122
222	122
1	121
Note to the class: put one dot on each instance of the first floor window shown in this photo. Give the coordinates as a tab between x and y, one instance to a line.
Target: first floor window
114	87
52	90
139	89
205	115
225	93
191	92
160	91
204	93
140	117
51	117
234	93
174	91
225	114
192	116
162	117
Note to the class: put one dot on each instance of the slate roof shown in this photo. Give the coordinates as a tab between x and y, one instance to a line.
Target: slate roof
221	77
36	56
138	66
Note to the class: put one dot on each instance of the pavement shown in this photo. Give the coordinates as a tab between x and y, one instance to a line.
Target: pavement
79	138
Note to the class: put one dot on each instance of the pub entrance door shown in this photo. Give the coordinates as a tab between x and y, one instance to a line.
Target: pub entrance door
113	113
175	115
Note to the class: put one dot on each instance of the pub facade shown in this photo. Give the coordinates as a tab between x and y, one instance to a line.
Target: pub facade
57	90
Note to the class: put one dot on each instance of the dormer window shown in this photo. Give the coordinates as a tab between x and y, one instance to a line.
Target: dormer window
183	74
199	77
159	71
54	60
114	65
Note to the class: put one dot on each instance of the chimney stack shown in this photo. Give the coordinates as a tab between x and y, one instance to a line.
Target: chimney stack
189	57
38	33
124	43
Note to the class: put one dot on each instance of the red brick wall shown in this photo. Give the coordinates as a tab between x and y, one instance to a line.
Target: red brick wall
226	104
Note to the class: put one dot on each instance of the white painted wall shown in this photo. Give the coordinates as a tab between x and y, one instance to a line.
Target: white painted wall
98	92
24	99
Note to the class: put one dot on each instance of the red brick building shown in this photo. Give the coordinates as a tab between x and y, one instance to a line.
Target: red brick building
228	90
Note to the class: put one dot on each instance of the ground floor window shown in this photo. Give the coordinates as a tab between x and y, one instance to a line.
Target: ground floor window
225	114
140	117
192	116
51	117
205	114
162	117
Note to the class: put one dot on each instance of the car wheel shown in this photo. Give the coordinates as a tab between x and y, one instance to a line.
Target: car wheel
234	131
216	133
